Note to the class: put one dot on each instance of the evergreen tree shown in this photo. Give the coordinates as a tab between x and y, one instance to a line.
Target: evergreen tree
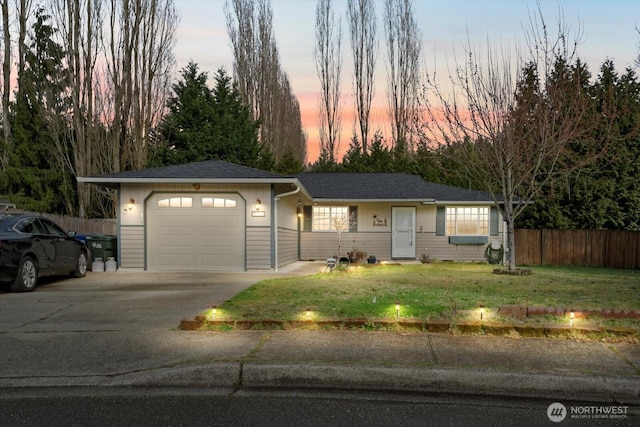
288	164
380	159
606	194
205	124
355	160
34	181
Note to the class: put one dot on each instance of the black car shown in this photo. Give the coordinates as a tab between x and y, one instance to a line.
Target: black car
33	246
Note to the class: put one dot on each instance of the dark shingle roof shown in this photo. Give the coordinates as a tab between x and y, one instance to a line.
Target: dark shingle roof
354	186
208	169
383	186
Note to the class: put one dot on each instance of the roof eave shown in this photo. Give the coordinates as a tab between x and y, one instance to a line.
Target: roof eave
424	201
349	200
116	181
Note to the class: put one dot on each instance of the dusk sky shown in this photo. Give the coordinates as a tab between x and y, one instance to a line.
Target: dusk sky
608	32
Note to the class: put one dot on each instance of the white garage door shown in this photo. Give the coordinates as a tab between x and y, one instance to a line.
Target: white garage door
203	232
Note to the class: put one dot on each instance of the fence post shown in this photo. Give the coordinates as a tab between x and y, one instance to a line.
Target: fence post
542	246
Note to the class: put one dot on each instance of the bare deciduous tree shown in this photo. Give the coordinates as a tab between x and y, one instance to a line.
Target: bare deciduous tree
119	79
140	40
262	83
6	82
513	126
80	25
404	46
328	58
362	26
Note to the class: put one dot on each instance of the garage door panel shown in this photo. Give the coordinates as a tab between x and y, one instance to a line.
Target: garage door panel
175	241
171	261
220	262
175	221
224	220
196	238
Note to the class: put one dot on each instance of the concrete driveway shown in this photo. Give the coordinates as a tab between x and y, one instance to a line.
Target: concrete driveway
120	301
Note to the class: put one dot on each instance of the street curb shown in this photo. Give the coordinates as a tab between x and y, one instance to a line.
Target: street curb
237	375
439	380
212	375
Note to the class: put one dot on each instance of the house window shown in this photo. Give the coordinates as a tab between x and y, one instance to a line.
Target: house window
331	218
175	202
218	202
467	221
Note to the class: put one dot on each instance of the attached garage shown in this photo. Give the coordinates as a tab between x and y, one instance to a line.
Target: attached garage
195	232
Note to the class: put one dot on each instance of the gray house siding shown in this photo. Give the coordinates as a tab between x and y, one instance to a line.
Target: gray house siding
315	246
377	240
287	246
258	248
131	245
438	248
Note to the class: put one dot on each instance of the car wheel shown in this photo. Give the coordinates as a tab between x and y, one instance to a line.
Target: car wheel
27	276
81	265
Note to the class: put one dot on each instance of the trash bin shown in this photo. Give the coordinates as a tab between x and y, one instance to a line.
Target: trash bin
102	246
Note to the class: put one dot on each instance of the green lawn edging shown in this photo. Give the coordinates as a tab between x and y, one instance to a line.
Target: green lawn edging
201	323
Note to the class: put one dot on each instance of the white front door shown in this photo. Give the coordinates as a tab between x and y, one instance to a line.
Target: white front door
403	223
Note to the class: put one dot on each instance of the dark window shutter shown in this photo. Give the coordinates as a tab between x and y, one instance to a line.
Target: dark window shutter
306	220
493	221
353	219
440	221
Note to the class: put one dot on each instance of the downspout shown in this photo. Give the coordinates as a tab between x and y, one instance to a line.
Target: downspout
275	222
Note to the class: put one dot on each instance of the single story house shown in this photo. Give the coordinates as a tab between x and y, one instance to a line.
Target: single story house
218	216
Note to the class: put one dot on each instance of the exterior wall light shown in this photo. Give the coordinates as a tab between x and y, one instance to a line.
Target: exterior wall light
299	212
257	209
131	203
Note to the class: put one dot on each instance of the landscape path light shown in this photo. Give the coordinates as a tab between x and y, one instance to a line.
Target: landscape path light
213	311
397	310
572	316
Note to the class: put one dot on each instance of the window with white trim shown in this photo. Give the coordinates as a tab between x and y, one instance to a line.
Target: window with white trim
175	202
218	202
331	218
467	221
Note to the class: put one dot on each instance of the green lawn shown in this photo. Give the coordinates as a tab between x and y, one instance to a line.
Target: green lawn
431	291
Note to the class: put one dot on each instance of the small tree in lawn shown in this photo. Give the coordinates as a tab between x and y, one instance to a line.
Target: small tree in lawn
341	224
513	126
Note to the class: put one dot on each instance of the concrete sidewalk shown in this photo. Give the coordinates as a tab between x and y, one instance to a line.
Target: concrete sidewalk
530	367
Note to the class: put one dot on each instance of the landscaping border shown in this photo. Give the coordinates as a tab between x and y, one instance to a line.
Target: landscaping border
432	326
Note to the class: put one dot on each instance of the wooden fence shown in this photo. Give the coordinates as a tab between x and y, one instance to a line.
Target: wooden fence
79	225
592	248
